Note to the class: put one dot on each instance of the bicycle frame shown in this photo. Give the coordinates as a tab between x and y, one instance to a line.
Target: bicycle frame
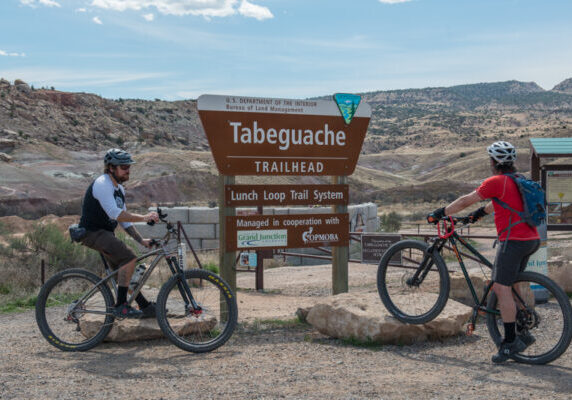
453	238
162	252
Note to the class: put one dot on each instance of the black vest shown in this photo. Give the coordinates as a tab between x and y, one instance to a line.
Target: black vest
93	216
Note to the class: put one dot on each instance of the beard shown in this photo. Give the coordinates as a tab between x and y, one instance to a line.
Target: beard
122	179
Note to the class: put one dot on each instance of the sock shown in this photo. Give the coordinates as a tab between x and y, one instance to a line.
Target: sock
509	331
141	301
121	295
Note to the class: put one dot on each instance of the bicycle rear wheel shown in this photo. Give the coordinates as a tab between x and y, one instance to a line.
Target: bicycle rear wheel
73	314
549	322
411	300
194	330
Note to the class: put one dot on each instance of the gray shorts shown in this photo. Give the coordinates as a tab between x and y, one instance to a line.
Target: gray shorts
512	259
114	250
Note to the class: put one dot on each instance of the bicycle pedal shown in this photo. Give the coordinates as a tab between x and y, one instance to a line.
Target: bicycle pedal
470	329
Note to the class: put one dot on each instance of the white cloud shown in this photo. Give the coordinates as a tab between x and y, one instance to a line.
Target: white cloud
76	80
394	1
34	3
149	17
97	20
6	54
205	8
82	10
254	11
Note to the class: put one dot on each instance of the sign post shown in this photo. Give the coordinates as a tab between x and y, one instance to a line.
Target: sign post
226	257
266	136
340	254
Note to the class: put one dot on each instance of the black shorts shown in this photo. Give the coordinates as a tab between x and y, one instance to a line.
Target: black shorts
114	250
512	259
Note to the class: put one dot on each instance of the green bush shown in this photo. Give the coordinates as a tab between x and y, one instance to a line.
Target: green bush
390	222
210	266
49	243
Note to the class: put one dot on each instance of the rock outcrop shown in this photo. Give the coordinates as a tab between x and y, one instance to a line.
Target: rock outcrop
560	271
364	318
142	329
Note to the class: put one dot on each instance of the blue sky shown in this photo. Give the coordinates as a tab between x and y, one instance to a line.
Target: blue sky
180	49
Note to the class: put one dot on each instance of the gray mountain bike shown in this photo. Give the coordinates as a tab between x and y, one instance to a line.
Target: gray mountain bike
196	309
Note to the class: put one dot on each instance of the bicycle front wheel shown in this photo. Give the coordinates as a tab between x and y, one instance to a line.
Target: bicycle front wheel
413	284
544	321
202	329
72	312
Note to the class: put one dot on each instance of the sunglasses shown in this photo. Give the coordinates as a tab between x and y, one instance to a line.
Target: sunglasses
124	167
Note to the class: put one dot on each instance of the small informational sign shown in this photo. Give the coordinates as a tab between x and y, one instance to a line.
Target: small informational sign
267	195
374	245
286	231
248	259
272	136
559	197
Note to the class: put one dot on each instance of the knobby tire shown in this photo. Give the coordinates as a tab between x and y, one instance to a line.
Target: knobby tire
412	304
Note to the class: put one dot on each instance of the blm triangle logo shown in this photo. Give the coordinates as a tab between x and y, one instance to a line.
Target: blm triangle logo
348	104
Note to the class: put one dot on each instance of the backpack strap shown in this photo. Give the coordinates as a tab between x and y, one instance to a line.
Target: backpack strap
506	206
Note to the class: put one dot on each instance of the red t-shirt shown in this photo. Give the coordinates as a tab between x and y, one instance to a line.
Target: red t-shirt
504	188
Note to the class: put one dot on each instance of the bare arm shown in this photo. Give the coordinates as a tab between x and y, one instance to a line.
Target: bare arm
463	202
131	231
131	217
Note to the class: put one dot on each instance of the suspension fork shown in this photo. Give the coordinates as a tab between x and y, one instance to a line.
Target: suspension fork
419	275
182	284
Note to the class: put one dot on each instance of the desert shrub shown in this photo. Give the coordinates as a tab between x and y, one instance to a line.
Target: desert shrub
212	267
48	242
20	260
390	222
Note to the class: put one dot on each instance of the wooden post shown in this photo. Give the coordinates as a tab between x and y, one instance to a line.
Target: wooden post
340	255
259	284
226	259
43	271
534	165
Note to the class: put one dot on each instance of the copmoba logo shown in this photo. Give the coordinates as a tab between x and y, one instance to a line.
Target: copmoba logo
309	237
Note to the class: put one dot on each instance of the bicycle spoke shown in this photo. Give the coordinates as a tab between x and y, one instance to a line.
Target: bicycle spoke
67	317
412	293
203	328
544	323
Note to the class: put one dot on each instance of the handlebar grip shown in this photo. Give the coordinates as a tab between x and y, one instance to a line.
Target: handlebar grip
151	223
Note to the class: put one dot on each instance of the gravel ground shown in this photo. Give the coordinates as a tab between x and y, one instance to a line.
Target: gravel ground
272	360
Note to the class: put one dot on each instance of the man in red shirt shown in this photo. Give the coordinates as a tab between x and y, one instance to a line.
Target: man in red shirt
518	240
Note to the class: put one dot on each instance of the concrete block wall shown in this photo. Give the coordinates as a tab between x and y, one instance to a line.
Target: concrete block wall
202	227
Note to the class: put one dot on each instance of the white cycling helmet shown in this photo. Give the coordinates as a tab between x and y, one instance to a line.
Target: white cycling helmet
502	152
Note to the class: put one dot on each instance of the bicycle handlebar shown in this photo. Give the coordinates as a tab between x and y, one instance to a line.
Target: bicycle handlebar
448	224
162	217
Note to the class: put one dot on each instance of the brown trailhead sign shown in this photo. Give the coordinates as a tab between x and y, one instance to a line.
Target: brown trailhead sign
266	136
271	195
286	231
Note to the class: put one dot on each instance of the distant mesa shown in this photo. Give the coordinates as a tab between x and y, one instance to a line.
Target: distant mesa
564	86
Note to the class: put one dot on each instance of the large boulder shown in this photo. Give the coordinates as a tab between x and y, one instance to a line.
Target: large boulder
363	317
460	289
142	329
560	271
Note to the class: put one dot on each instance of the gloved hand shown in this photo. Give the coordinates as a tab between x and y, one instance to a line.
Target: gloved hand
435	216
476	215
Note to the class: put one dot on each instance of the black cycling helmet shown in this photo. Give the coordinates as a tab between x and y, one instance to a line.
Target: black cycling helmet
117	157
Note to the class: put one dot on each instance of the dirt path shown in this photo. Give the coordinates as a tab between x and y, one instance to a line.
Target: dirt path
268	361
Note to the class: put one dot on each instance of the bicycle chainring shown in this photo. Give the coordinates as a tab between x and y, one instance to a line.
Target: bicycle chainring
527	319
